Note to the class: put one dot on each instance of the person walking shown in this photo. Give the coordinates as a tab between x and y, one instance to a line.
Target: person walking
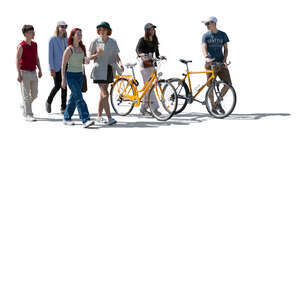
147	47
57	45
73	59
27	60
104	51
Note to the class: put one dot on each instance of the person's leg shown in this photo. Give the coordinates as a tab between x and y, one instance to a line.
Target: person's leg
26	94
224	75
63	91
69	111
103	103
211	94
56	88
80	103
146	73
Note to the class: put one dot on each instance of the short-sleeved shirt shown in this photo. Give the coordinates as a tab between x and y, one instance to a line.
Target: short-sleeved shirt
215	43
107	57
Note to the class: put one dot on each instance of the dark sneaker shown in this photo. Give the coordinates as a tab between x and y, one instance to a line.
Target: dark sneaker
62	111
48	107
215	112
220	109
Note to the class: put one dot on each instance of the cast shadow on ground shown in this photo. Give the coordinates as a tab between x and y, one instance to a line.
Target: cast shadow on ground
179	120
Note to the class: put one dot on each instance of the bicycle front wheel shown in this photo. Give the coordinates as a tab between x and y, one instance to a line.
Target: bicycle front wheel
220	99
162	100
182	92
121	88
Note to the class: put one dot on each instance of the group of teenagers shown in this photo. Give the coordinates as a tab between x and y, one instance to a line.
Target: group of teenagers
68	55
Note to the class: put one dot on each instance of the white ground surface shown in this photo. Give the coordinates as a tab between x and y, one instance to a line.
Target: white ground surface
194	208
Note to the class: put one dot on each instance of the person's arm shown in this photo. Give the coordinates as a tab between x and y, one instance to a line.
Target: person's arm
66	57
94	53
51	58
225	53
157	52
39	65
140	48
204	50
118	60
19	55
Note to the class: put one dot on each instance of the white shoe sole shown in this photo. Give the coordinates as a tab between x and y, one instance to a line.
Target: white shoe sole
88	124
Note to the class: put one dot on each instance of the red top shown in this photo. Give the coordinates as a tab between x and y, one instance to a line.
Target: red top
29	56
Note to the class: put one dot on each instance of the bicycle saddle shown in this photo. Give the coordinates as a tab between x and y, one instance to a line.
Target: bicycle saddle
185	61
130	65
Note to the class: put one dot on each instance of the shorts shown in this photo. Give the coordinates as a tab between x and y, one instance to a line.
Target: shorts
221	72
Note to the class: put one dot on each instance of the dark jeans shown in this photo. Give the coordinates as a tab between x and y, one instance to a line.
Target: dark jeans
57	87
74	81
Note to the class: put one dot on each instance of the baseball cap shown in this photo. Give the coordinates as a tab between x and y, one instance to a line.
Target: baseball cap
149	25
60	23
210	19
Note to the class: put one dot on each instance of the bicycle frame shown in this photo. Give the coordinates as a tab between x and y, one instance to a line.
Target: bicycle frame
137	98
188	76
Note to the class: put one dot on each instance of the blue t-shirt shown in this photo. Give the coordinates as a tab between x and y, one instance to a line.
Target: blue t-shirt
215	43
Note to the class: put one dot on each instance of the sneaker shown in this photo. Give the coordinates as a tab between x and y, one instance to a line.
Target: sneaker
157	113
88	123
111	121
214	111
144	112
68	122
220	109
48	107
62	111
100	120
30	118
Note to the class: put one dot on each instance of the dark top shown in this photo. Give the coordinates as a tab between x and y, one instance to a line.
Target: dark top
146	47
215	43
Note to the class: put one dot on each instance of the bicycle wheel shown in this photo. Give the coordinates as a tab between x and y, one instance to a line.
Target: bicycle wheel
120	105
220	99
162	99
182	92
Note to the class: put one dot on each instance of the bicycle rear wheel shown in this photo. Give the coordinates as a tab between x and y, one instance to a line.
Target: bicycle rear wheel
120	104
182	92
162	99
220	99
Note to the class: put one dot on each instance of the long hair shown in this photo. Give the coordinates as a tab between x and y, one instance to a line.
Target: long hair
56	33
71	39
154	38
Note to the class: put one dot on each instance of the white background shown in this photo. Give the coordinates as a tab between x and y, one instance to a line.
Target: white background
194	208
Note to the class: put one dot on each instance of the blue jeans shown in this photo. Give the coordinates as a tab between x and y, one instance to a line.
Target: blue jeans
75	81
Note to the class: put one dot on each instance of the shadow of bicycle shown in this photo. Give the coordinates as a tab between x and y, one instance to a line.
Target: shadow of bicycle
183	119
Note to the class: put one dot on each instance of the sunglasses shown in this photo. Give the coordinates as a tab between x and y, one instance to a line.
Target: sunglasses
208	23
64	26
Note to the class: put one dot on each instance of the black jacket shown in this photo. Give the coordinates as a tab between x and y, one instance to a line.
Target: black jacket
147	47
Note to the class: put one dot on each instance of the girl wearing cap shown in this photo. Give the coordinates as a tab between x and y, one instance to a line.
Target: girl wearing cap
57	45
104	51
148	46
75	57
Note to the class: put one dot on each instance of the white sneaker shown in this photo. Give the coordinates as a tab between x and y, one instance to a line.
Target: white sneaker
88	123
100	120
30	118
111	121
68	122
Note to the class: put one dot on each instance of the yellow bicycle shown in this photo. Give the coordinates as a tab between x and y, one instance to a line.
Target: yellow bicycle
220	98
161	98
